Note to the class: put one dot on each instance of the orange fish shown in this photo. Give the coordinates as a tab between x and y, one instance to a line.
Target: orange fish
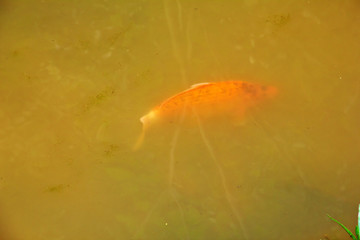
208	99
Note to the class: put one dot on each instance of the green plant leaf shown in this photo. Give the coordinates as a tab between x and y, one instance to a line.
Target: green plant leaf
347	230
357	227
357	232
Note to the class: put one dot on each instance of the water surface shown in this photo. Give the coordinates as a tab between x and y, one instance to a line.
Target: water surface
76	76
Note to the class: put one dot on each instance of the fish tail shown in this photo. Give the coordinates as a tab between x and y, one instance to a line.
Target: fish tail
273	91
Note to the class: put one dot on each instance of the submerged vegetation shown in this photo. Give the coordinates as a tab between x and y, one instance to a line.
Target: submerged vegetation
357	234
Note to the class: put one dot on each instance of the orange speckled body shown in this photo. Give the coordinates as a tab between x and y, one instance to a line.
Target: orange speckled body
215	97
209	99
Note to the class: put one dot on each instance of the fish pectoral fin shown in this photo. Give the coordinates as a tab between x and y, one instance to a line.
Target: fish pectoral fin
239	122
139	141
238	117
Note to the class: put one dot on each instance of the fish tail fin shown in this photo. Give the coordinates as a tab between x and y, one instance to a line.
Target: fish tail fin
272	91
139	141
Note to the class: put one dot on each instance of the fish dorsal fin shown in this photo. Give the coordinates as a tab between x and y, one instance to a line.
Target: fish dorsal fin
199	84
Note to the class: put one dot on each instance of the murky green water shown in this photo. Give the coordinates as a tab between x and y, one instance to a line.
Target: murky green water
76	76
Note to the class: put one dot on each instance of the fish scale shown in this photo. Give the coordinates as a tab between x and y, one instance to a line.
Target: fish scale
208	99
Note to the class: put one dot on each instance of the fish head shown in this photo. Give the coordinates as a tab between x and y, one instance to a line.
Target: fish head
149	118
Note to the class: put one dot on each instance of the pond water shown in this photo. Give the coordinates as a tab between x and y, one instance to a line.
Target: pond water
76	76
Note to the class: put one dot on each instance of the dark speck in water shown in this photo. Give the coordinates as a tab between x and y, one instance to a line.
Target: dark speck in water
57	188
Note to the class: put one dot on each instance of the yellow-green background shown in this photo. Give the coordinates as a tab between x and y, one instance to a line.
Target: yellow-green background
76	76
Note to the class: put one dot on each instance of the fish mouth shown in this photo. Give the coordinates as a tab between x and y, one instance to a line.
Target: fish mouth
148	117
143	119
